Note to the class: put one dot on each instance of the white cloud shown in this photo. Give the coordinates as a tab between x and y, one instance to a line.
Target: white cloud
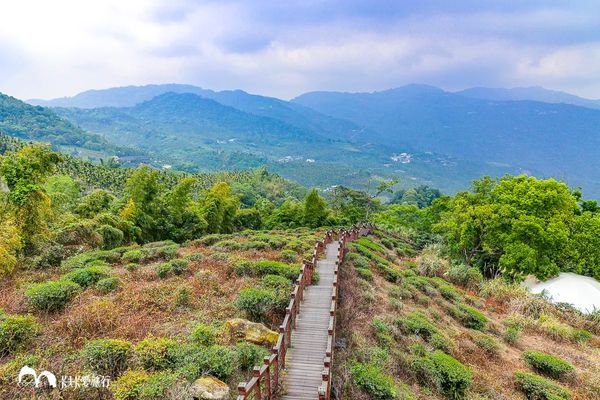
51	49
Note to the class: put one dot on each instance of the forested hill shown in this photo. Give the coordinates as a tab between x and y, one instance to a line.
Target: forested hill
21	120
109	176
235	130
559	140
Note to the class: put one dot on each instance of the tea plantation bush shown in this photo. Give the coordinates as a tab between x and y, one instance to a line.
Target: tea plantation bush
155	354
445	373
536	387
16	332
107	356
548	364
202	335
51	295
87	276
372	380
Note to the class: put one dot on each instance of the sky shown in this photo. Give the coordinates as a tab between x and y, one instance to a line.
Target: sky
58	48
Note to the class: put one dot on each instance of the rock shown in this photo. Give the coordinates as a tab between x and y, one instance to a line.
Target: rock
241	329
208	387
341	343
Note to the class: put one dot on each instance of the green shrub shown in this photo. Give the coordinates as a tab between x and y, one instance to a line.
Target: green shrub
461	274
368	243
470	317
418	282
449	293
429	263
52	295
260	303
163	270
360	261
512	333
372	380
202	335
108	285
16	332
581	335
444	373
276	282
440	342
155	354
177	267
547	364
107	356
182	296
138	385
195	361
365	274
418	324
194	257
248	355
268	267
99	257
111	237
132	267
133	256
87	276
486	343
536	387
289	256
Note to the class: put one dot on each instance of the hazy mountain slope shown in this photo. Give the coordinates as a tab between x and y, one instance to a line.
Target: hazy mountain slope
553	139
194	133
291	113
125	96
21	120
533	93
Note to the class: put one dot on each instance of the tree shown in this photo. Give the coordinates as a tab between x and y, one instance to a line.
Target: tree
25	173
143	189
10	244
95	203
350	206
184	219
516	225
315	210
64	192
422	196
220	208
288	215
382	187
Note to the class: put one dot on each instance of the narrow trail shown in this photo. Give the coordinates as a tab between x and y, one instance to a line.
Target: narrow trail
305	358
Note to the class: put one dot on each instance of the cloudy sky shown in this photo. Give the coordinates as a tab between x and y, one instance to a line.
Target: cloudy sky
283	48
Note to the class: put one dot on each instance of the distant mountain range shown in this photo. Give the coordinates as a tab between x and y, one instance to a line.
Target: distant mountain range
419	133
533	93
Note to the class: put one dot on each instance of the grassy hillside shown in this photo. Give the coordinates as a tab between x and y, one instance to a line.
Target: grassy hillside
415	327
157	311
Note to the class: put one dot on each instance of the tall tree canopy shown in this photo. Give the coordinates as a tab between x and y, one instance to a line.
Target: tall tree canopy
518	225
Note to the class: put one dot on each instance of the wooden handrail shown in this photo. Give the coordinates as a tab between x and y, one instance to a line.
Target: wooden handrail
265	379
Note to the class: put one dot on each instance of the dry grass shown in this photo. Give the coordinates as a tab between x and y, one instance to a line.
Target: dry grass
492	371
143	305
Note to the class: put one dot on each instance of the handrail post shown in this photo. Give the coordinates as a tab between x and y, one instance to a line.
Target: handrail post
276	369
267	377
256	373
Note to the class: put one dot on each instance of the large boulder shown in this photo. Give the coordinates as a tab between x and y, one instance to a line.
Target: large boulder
238	329
209	388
